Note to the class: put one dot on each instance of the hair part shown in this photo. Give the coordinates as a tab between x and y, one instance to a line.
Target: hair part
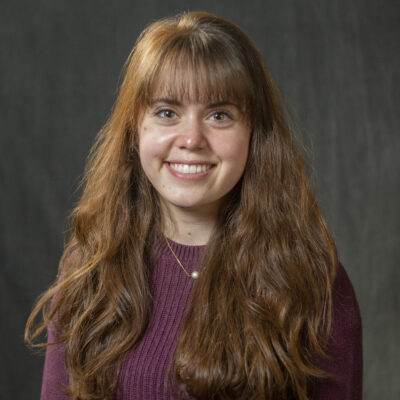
263	303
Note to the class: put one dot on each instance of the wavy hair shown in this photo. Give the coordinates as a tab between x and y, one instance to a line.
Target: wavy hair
263	303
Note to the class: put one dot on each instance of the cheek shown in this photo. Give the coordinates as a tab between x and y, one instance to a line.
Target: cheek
152	146
239	158
234	149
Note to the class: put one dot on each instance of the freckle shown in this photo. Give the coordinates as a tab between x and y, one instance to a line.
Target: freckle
189	233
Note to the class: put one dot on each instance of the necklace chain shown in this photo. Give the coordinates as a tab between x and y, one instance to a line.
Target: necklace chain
194	274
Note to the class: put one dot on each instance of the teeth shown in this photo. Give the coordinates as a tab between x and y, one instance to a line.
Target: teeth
190	169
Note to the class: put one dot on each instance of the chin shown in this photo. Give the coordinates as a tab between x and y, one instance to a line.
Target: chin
187	205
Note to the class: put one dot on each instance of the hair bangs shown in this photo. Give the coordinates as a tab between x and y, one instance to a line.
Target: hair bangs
200	73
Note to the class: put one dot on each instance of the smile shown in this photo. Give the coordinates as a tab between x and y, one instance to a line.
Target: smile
190	169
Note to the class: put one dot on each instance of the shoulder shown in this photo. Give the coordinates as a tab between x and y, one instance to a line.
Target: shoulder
345	363
69	258
346	312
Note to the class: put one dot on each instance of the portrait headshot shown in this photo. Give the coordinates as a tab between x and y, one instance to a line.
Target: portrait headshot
200	200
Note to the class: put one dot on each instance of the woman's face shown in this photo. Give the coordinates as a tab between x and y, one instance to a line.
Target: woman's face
193	154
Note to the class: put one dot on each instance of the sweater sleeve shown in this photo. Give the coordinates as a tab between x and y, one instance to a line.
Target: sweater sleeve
55	376
54	372
345	346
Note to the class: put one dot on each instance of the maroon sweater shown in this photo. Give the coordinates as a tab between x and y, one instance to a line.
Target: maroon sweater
143	371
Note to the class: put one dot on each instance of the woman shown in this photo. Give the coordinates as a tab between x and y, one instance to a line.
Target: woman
199	265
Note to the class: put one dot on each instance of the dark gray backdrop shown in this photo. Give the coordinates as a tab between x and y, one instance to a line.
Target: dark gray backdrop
337	62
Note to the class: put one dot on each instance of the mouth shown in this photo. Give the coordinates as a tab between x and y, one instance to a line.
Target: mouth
192	171
190	168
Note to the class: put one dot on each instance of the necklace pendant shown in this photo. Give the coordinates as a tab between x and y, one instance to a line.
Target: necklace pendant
194	274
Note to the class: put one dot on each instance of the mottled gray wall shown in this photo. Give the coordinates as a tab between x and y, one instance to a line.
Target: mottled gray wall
337	62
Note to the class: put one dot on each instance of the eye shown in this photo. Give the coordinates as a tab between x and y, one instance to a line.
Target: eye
166	114
220	116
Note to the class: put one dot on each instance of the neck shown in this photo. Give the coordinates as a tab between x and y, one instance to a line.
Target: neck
188	226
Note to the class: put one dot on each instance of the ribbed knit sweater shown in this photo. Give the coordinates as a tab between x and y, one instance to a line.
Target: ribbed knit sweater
144	368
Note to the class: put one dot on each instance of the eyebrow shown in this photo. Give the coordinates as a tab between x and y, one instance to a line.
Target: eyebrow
174	102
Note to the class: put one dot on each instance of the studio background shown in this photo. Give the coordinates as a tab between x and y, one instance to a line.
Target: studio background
336	61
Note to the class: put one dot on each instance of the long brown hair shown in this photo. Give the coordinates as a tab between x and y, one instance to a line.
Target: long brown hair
263	301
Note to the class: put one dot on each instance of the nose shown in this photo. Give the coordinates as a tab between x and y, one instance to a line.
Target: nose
192	135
